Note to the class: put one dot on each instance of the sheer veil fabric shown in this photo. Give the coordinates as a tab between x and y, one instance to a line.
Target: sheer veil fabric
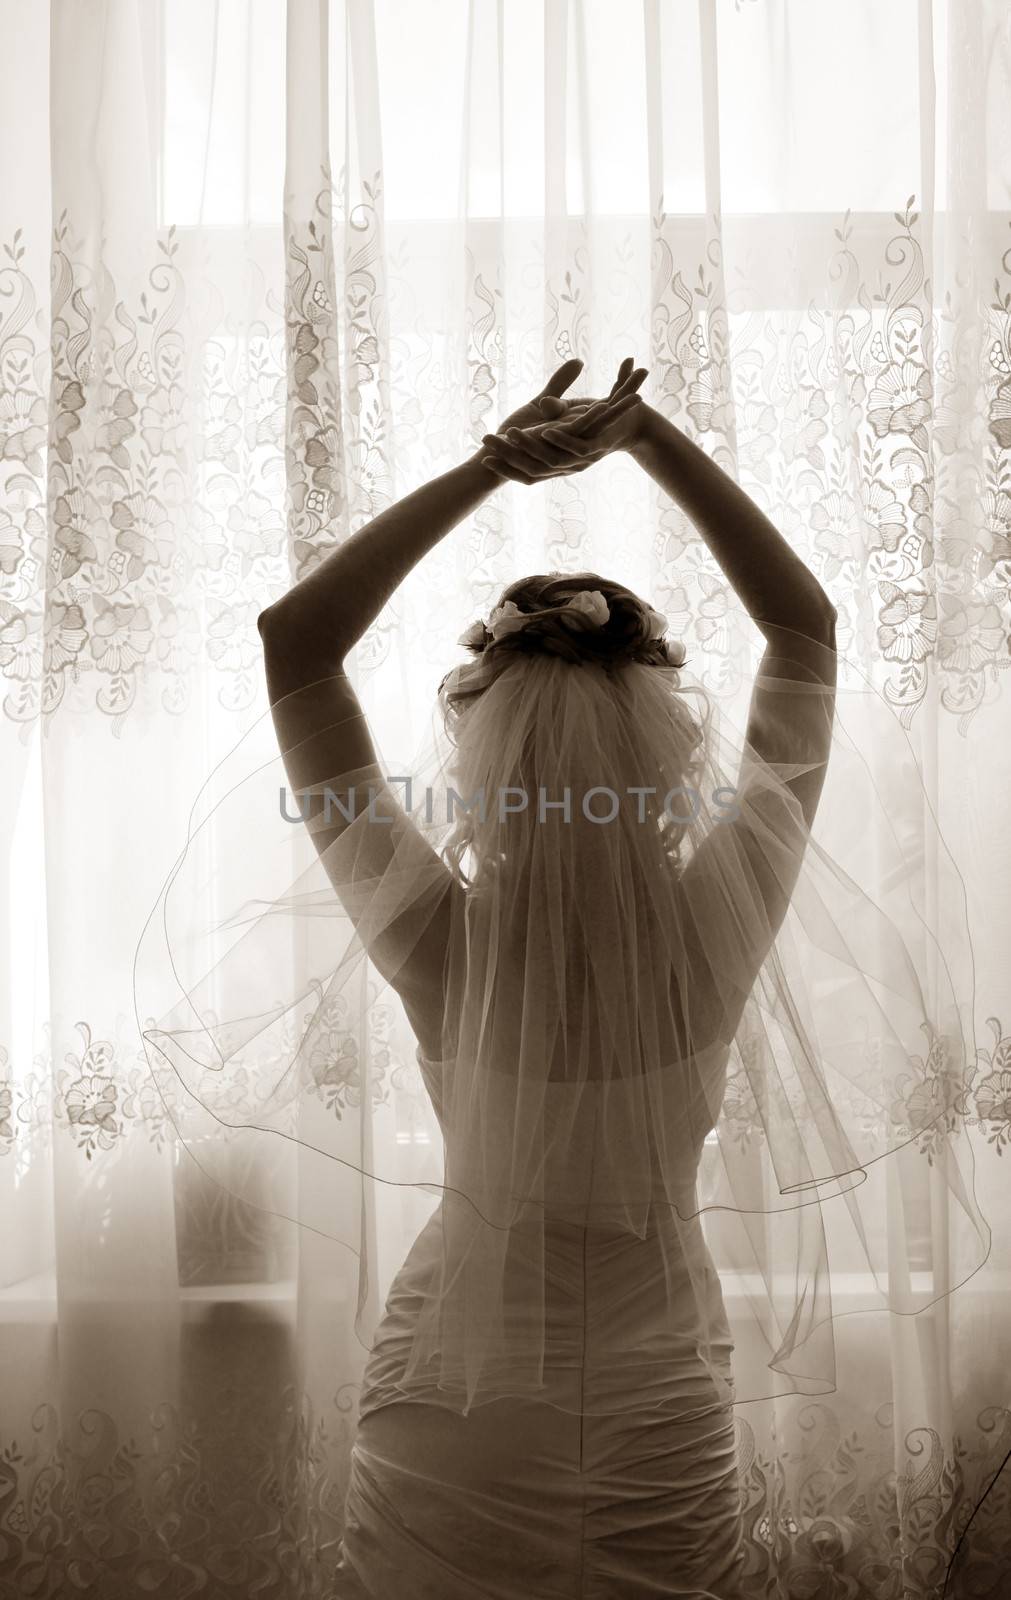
670	1011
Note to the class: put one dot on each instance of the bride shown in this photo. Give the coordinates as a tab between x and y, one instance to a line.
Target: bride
547	1408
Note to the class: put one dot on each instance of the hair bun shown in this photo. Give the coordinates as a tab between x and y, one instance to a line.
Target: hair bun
577	617
611	624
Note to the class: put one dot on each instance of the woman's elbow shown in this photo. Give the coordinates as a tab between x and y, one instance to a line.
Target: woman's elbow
277	623
823	622
289	643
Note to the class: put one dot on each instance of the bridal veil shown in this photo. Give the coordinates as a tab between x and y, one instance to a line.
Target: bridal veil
639	1031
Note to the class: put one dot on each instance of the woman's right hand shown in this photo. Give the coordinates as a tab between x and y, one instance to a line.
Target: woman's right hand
578	433
559	408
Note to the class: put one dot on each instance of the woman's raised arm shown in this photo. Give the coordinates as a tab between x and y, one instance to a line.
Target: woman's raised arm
772	582
313	627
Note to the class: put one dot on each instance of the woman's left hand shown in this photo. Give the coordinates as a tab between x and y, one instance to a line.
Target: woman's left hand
576	434
561	379
533	411
555	450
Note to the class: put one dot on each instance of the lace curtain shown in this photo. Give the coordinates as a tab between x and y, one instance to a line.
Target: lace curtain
265	270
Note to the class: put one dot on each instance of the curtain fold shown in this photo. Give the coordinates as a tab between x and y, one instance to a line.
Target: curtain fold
264	270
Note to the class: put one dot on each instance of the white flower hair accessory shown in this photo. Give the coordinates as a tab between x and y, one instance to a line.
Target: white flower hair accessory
658	623
588	604
675	651
506	618
473	637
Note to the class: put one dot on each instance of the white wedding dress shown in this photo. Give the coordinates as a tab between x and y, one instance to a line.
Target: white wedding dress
621	1482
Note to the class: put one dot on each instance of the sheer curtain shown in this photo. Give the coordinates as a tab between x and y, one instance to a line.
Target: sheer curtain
266	269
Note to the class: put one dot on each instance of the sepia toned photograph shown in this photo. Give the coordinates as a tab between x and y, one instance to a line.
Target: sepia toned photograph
505	758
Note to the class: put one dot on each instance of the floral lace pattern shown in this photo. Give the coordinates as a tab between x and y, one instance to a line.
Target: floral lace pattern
159	514
169	462
828	1514
105	1092
248	1499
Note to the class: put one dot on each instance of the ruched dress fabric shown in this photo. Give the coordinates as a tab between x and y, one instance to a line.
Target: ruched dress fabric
619	1484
